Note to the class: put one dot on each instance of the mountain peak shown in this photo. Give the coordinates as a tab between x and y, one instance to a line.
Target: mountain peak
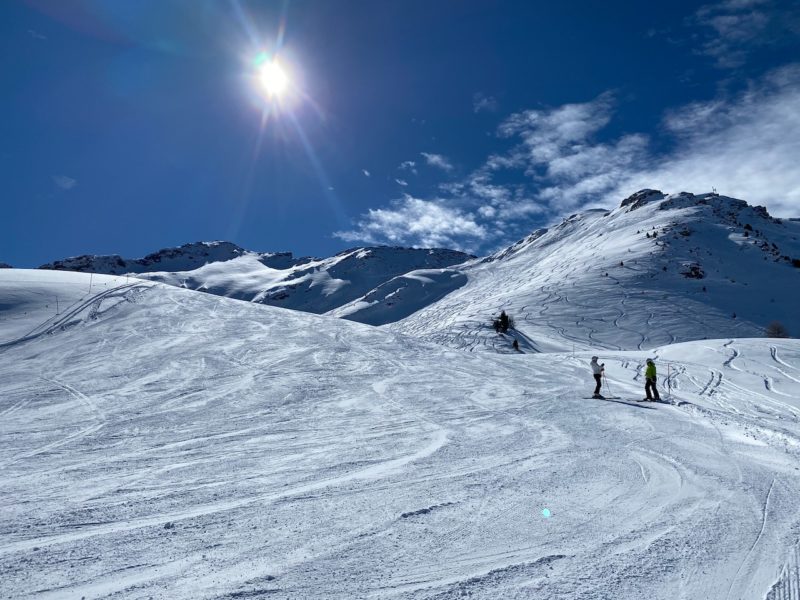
186	257
641	198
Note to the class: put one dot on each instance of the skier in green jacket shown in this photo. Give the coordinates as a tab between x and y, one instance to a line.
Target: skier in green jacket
650	381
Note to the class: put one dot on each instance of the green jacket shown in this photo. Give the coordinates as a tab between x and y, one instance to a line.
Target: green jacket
650	371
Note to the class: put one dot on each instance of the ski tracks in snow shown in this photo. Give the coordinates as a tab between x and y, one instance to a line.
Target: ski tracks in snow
256	452
764	513
94	413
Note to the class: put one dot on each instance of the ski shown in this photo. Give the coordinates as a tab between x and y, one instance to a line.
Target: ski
620	400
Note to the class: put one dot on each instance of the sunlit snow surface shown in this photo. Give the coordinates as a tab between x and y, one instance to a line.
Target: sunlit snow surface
598	280
159	442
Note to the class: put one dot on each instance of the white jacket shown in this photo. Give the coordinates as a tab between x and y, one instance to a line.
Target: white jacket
596	369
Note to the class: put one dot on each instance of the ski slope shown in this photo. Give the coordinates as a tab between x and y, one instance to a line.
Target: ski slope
160	442
599	280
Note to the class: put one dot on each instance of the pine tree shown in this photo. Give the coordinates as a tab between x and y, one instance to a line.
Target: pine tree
776	330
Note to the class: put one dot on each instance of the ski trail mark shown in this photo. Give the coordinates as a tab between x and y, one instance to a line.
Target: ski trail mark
98	415
764	511
57	444
774	353
79	396
14	408
379	470
734	356
61	320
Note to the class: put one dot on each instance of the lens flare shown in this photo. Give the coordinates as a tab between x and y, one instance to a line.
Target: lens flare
260	59
273	78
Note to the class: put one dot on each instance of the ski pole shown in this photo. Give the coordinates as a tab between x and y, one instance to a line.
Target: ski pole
669	383
605	382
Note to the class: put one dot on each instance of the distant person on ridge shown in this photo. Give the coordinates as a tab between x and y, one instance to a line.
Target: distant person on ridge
650	381
597	371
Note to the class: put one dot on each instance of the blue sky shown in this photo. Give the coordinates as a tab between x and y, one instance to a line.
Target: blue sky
130	126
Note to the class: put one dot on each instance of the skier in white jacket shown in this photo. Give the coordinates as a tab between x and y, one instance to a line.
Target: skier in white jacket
597	371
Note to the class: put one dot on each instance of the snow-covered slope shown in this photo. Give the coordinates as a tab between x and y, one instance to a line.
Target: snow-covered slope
158	442
401	296
308	284
656	270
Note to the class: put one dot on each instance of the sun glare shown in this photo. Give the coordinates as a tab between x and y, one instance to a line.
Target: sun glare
273	78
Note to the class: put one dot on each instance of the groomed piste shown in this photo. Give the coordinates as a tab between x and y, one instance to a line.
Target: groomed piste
166	443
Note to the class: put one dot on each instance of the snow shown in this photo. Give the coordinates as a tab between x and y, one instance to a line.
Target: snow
312	285
160	442
597	280
401	296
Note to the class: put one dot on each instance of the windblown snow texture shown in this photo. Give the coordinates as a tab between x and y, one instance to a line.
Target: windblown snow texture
160	442
278	279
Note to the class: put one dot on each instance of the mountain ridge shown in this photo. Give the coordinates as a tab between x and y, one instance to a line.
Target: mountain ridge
310	284
729	265
700	250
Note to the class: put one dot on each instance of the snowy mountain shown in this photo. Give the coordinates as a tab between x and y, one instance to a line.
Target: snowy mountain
160	442
649	267
310	284
658	269
182	258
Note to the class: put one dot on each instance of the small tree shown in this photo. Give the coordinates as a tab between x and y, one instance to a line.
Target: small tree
503	323
776	330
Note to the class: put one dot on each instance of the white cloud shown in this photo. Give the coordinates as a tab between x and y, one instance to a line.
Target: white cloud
402	182
487	211
733	28
549	133
366	173
482	102
559	153
437	160
408	165
426	223
746	145
36	35
64	182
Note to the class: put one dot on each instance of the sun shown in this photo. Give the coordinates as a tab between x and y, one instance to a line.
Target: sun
273	79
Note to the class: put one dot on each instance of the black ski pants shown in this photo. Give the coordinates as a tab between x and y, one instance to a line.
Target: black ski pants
599	382
650	388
